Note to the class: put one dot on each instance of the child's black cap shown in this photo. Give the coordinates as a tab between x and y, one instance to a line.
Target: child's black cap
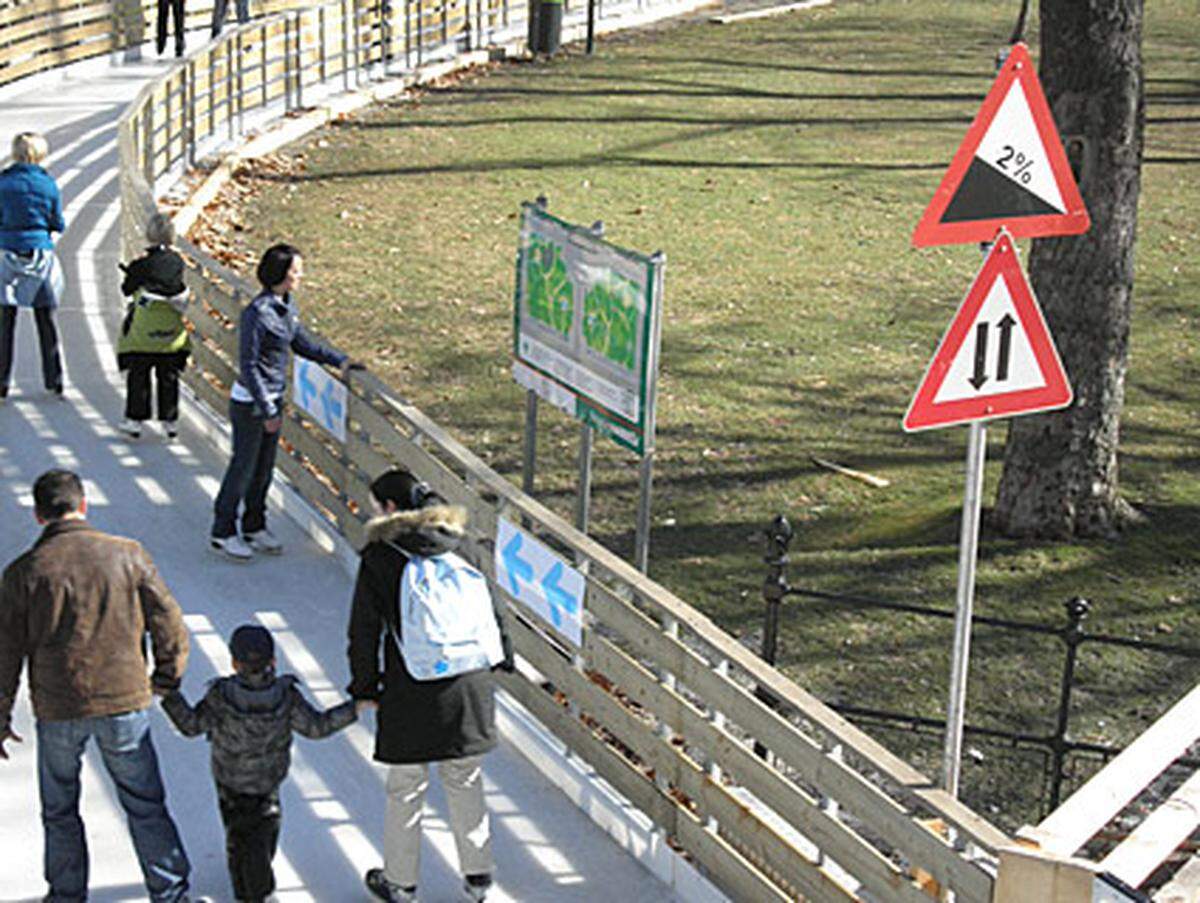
252	645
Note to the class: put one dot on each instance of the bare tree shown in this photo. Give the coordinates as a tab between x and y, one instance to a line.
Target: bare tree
1060	469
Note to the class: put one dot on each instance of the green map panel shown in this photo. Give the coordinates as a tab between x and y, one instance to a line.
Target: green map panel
610	319
550	292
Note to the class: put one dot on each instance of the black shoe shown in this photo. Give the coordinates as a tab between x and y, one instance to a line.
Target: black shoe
378	884
3	392
476	887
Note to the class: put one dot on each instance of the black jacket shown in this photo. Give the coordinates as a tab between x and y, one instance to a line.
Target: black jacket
160	271
249	719
418	721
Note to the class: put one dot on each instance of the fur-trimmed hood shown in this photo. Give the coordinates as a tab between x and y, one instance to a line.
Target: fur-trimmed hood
424	531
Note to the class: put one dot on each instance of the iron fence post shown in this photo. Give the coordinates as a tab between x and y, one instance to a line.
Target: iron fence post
775	588
1072	634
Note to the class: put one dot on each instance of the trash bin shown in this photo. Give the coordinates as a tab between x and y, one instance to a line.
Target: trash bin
548	26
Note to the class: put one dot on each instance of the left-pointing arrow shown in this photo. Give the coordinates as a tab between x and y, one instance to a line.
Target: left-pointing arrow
515	564
307	388
560	600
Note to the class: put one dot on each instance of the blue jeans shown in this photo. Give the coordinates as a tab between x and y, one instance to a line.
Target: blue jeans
248	477
129	757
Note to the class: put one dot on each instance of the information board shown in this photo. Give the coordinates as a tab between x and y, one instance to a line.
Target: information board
587	326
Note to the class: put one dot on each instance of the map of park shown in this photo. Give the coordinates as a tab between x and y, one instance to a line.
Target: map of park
610	319
550	292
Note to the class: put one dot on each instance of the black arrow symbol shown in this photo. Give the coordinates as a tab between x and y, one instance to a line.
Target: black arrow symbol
981	333
1006	327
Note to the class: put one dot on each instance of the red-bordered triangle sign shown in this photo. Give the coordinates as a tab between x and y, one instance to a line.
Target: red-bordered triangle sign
997	358
1010	170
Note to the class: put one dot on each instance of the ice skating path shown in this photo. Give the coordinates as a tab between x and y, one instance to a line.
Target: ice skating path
161	494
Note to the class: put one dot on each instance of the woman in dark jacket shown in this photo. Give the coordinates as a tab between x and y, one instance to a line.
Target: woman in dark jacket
450	721
30	274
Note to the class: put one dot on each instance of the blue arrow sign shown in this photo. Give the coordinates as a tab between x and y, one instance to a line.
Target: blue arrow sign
307	390
560	600
515	565
535	576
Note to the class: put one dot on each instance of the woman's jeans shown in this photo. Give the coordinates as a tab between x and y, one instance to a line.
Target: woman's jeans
52	376
129	758
248	477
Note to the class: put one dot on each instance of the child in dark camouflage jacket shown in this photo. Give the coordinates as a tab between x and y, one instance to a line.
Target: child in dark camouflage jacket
249	718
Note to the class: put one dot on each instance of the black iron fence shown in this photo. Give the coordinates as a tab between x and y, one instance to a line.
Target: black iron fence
1062	762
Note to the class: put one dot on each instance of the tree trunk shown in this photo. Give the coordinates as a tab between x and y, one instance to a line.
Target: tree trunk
1060	469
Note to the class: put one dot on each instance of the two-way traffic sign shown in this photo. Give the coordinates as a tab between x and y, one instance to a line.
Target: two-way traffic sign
1011	169
997	358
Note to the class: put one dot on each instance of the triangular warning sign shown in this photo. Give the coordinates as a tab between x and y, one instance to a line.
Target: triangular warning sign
997	358
1010	170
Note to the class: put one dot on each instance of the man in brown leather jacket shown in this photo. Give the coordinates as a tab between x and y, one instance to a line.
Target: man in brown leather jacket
77	606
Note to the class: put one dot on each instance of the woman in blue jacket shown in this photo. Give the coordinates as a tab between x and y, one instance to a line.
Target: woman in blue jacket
269	330
30	274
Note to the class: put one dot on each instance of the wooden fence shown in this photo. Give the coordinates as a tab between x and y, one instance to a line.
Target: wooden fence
658	700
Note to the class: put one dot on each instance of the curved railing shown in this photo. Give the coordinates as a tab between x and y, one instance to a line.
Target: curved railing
658	700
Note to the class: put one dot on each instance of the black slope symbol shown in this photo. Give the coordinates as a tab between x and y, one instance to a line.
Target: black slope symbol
986	194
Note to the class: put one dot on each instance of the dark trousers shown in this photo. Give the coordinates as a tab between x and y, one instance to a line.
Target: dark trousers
251	835
47	339
176	7
248	477
219	9
137	384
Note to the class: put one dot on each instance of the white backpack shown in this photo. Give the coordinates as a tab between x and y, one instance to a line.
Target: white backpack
447	623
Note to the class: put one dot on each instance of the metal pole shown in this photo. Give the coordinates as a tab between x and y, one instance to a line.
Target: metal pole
583	497
530	463
967	545
641	550
1077	610
775	589
591	26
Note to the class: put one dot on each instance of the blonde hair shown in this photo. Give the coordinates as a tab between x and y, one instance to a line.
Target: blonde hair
30	147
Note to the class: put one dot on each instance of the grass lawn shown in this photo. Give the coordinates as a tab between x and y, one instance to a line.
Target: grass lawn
781	164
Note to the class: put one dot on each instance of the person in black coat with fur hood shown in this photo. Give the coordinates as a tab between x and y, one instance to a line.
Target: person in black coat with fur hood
450	721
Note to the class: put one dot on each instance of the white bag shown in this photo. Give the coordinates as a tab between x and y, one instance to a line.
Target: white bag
447	622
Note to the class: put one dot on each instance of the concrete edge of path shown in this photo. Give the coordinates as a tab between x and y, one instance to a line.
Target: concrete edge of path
770	11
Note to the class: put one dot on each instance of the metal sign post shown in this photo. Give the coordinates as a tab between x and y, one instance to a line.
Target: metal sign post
968	544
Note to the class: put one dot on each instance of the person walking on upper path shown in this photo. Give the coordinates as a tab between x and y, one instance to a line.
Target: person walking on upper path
30	272
154	336
249	716
176	8
422	718
268	330
221	7
76	607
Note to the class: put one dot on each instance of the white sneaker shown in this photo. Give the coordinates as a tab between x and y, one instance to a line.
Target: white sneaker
171	428
131	428
264	541
231	546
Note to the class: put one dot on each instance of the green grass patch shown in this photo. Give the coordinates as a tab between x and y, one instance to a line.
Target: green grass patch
781	165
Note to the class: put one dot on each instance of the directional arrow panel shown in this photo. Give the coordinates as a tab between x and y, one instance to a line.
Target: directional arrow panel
320	396
997	358
532	574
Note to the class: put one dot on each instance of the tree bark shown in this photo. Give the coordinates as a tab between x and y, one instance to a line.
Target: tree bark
1060	469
